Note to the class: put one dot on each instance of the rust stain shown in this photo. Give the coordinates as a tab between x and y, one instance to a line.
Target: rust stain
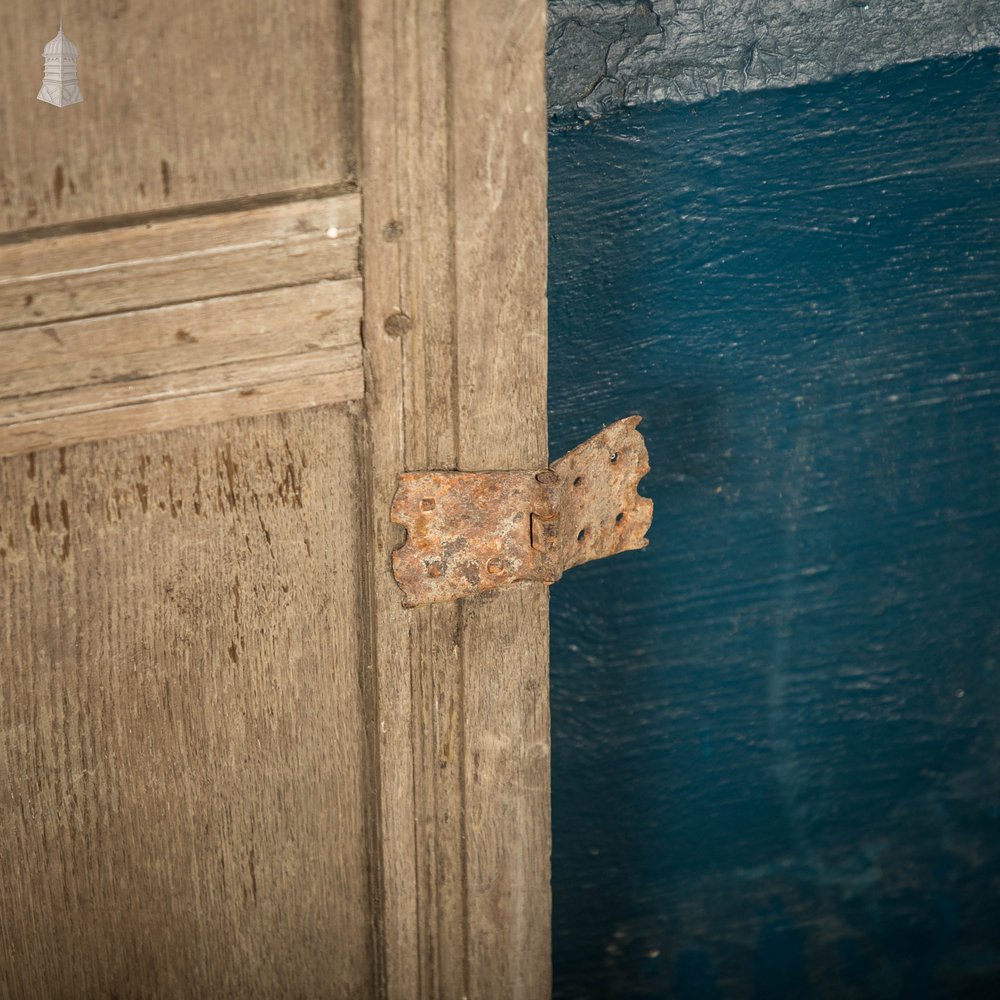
469	532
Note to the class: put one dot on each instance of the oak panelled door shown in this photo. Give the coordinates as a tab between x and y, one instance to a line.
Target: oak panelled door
277	255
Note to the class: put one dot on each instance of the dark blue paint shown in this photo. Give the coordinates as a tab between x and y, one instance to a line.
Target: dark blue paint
776	731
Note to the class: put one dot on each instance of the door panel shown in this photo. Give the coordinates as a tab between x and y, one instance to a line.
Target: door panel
231	763
183	760
186	102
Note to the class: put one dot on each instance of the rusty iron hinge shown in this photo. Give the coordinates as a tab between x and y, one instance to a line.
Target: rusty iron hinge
474	531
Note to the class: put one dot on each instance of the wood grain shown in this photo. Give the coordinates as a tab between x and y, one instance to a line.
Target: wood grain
185	766
238	767
320	316
156	388
182	763
209	353
453	176
300	390
183	103
501	241
162	261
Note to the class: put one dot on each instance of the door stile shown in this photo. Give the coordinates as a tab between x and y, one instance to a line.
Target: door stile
453	151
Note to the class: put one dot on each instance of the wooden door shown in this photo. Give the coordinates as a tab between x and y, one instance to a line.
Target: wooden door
275	257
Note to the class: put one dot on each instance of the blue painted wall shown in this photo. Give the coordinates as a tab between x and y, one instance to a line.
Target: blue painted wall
776	731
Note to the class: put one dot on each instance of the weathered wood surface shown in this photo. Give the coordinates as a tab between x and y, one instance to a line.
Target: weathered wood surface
234	766
185	777
183	103
166	260
453	178
308	355
321	316
161	325
302	389
183	767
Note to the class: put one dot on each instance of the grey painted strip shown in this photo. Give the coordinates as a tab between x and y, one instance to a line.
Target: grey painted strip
607	55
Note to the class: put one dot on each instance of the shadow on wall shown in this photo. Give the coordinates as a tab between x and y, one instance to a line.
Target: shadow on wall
776	732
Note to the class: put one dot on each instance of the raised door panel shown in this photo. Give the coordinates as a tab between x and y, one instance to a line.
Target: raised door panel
184	103
183	762
184	765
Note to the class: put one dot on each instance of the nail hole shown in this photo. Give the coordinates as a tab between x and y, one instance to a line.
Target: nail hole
427	503
578	480
618	519
579	537
614	457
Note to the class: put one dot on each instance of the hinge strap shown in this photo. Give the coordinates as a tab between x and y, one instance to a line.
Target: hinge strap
474	531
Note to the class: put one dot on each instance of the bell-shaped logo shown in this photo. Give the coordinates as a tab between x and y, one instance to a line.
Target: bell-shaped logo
60	86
